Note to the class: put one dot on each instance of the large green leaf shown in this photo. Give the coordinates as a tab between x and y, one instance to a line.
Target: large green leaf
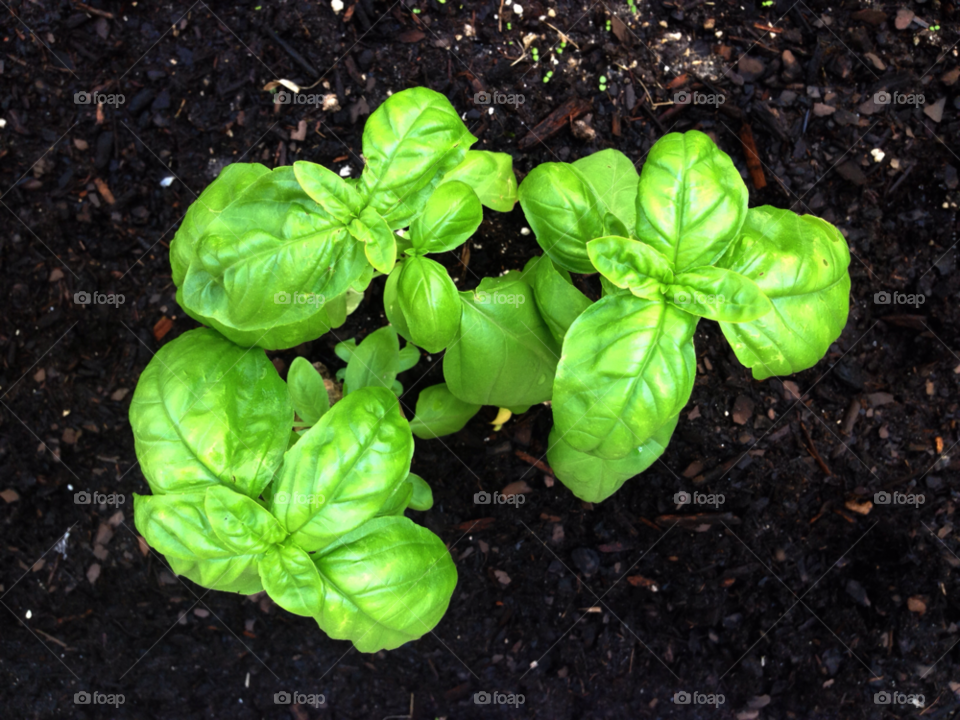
490	174
628	366
800	262
386	583
330	191
594	479
452	214
409	143
718	294
558	301
262	267
504	353
439	412
691	200
564	213
343	469
207	412
429	303
291	580
613	178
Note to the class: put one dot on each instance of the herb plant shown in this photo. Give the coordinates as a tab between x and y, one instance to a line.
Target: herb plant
242	504
673	244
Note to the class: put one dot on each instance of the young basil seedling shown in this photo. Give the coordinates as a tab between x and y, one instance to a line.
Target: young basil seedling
233	509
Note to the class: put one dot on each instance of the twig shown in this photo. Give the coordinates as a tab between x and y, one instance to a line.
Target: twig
290	51
812	449
563	36
94	11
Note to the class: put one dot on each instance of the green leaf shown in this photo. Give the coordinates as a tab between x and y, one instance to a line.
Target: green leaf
718	294
238	574
261	266
503	353
691	200
452	214
207	412
613	178
177	526
375	362
409	357
343	469
594	479
380	244
631	265
429	303
564	213
628	366
386	583
391	304
240	522
800	263
422	498
439	412
292	581
345	349
329	191
558	301
490	174
307	391
409	143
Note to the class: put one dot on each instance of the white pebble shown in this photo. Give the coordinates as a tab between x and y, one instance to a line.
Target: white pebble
337	6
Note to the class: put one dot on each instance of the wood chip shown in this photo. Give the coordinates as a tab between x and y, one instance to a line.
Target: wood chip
116	519
70	436
641	581
300	134
694	414
916	604
104	191
163	326
620	30
40	375
55	274
875	60
80	144
476	525
693	469
863	508
935	111
821	110
879	399
904	18
950	77
93	572
119	394
502	577
791	391
144	548
411	36
9	495
519	487
104	534
742	410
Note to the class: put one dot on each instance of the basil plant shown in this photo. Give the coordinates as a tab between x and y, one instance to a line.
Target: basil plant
674	244
315	517
275	258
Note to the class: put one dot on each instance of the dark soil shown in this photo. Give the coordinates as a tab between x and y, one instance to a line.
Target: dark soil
794	600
